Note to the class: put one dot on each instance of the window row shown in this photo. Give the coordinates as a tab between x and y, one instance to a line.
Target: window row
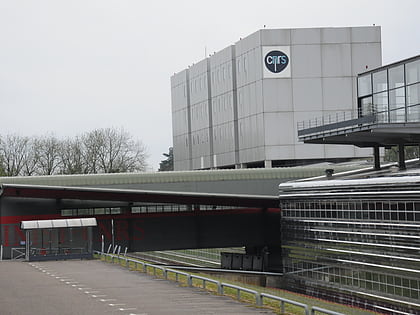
221	73
222	103
365	205
90	211
389	78
401	104
198	83
223	133
386	215
372	281
200	137
146	208
200	112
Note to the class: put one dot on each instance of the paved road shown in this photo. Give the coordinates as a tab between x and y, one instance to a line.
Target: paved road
94	287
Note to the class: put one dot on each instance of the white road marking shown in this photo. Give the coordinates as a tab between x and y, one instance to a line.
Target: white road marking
107	300
118	304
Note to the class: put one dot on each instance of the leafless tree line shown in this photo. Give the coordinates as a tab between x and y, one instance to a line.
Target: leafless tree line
107	150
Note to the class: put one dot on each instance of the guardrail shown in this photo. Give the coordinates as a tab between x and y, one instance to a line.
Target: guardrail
308	310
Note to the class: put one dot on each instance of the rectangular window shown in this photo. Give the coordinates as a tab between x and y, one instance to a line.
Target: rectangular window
396	77
397	105
412	72
67	213
364	85
380	105
99	211
366	106
413	94
380	81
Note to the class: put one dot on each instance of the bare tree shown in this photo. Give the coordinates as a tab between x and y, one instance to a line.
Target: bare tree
13	151
107	150
31	158
112	150
72	157
49	154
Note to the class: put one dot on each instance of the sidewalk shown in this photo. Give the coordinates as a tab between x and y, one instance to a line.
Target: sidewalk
94	287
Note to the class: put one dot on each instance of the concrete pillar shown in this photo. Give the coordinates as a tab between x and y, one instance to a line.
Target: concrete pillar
376	158
401	157
268	164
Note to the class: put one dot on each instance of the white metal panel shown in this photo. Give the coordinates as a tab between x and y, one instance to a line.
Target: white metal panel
333	35
88	221
336	60
59	223
45	224
29	225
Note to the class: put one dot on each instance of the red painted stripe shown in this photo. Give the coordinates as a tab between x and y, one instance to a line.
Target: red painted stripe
19	218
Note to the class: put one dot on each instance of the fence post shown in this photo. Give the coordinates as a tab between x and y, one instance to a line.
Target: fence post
258	299
219	288
189	280
1	252
102	244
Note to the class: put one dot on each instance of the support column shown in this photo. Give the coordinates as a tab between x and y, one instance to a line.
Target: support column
376	158
401	157
268	164
27	245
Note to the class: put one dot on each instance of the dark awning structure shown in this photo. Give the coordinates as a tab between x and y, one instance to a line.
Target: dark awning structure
363	133
131	195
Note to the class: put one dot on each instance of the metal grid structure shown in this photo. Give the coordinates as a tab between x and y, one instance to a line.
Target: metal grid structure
360	246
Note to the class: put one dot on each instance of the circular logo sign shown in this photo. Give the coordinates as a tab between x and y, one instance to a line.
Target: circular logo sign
276	61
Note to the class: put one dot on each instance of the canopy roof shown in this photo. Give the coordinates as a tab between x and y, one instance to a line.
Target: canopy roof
132	195
60	223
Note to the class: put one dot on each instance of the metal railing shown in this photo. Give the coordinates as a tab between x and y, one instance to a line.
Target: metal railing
327	120
399	114
17	253
221	286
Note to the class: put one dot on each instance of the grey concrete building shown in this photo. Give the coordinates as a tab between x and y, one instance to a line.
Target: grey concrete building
240	106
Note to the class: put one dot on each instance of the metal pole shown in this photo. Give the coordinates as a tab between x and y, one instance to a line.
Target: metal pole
1	252
27	245
401	157
376	157
102	244
112	232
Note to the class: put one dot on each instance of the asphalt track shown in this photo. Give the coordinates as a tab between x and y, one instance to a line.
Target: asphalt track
95	287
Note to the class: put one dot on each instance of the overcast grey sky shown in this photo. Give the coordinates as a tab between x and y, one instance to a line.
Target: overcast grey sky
72	66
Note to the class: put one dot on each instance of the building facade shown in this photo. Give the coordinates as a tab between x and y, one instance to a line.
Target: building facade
355	241
240	106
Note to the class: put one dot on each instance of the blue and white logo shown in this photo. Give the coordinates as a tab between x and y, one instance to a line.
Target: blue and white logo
276	61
